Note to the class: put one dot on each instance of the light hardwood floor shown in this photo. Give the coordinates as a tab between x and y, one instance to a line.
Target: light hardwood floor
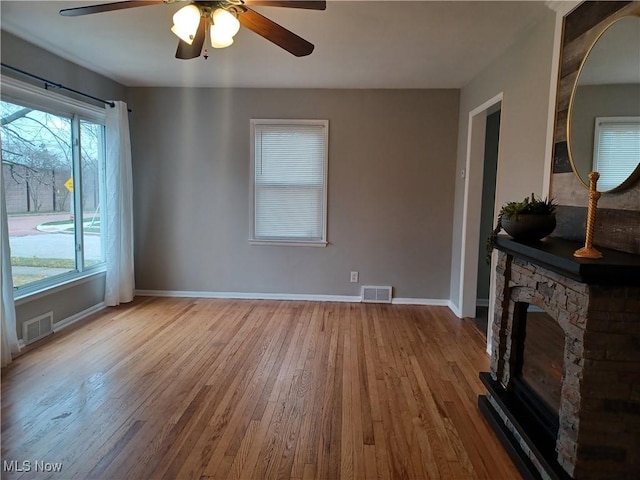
216	389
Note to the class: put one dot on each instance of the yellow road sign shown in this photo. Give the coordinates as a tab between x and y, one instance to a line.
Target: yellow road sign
69	185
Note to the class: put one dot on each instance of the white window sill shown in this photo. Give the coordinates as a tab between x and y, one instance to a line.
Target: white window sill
21	297
289	243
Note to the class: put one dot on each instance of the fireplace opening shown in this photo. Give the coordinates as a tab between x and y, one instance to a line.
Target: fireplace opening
538	365
543	357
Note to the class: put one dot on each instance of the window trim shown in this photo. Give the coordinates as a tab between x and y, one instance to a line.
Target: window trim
288	242
28	95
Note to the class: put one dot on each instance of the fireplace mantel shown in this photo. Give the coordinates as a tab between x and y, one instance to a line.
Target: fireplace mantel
595	433
556	254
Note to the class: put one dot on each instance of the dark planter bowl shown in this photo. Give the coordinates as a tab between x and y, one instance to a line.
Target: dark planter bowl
529	227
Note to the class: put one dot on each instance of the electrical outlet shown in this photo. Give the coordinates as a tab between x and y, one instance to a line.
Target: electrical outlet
354	277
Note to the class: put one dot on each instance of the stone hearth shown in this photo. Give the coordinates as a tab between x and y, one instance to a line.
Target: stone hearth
596	432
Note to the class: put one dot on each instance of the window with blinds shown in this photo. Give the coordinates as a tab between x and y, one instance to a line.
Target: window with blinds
289	181
616	150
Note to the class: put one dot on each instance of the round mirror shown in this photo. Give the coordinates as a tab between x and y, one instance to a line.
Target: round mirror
603	126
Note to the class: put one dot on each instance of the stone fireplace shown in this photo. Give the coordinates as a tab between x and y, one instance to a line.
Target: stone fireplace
564	397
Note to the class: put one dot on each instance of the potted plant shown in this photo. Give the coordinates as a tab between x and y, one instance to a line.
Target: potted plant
528	220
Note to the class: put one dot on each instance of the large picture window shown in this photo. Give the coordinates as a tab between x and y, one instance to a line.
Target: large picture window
289	181
53	171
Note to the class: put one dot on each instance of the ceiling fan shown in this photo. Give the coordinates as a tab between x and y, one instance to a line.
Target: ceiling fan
220	21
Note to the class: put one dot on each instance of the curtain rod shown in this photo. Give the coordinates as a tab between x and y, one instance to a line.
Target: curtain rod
49	83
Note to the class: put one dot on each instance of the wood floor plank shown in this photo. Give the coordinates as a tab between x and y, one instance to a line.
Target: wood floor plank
382	451
186	388
305	452
348	407
239	404
245	467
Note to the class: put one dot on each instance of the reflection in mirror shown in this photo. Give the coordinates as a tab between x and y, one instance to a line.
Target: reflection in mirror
603	130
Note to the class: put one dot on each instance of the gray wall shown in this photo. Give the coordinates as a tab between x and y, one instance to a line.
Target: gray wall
26	56
523	75
391	184
71	300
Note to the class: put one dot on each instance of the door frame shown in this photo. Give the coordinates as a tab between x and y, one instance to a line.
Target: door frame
474	169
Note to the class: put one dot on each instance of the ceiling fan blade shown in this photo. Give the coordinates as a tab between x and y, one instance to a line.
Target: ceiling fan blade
305	4
186	51
273	32
105	7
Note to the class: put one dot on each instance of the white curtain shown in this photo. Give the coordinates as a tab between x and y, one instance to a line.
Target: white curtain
119	213
8	311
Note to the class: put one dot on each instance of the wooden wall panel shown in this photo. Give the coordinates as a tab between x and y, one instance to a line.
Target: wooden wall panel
610	230
581	28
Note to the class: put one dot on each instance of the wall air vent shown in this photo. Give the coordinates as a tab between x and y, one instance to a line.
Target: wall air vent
37	328
371	294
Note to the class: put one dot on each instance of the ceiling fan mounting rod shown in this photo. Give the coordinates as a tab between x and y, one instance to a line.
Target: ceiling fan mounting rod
234	6
206	11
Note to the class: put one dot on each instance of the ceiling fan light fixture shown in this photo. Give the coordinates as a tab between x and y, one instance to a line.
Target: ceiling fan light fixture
186	22
225	22
219	38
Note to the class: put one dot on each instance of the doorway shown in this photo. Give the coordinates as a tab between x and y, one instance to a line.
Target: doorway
492	139
474	207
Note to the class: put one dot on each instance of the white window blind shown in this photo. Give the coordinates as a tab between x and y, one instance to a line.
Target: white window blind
617	150
289	180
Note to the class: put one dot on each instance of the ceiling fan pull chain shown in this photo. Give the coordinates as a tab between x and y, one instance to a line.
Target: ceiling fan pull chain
207	15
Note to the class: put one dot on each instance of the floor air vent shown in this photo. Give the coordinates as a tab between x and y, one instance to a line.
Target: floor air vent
37	328
375	294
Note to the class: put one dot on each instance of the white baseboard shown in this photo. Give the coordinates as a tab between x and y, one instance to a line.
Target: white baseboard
433	302
77	317
284	296
454	308
249	295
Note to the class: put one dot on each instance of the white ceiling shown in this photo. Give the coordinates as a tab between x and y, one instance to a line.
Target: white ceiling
358	44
